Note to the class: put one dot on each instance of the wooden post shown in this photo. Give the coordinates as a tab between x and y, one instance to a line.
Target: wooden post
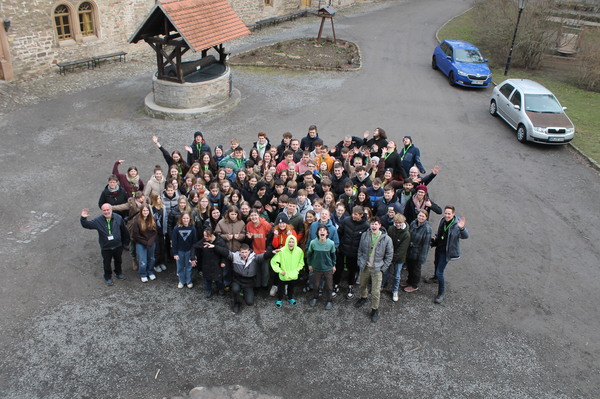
6	70
321	28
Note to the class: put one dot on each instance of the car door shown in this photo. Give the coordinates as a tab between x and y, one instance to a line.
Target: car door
502	99
512	113
443	62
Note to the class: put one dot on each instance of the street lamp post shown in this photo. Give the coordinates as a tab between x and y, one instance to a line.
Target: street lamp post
522	4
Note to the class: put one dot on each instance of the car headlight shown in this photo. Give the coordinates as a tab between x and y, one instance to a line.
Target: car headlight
461	73
570	130
539	129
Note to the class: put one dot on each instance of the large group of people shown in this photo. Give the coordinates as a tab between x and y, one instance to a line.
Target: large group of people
288	217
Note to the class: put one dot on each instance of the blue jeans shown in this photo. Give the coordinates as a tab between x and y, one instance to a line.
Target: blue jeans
145	258
394	270
397	273
184	267
440	265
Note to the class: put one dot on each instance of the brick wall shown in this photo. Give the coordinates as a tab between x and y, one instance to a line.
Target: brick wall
35	48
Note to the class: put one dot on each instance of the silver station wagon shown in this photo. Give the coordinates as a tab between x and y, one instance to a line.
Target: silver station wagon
533	111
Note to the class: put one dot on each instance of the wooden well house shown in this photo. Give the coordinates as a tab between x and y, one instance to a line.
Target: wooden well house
173	27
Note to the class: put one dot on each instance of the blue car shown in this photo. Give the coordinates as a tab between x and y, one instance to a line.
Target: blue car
462	63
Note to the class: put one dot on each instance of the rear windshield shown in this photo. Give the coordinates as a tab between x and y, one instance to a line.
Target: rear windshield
544	103
470	56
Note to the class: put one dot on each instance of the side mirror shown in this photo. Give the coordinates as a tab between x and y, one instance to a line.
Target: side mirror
485	60
517	107
449	58
564	108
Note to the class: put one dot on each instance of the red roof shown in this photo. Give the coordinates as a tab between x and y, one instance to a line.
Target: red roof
202	23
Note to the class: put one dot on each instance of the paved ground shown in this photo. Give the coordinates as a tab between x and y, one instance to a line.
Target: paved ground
521	319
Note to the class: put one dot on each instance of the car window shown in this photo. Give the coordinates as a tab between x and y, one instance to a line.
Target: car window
444	47
516	98
545	103
506	89
469	56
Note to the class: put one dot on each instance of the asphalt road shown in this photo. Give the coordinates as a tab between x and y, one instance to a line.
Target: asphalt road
521	318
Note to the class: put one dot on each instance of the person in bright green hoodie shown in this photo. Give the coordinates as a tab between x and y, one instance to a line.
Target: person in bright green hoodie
287	264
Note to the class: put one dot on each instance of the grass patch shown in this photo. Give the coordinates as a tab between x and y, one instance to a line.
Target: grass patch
461	27
582	105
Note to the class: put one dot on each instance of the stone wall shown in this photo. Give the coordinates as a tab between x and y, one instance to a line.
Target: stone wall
35	48
33	42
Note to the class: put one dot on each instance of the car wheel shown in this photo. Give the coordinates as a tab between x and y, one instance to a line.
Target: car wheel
493	108
521	134
433	63
451	78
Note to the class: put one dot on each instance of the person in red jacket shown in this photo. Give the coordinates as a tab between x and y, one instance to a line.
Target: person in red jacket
258	230
131	182
282	230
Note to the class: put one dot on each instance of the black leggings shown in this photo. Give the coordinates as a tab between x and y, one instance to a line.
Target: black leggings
281	287
351	264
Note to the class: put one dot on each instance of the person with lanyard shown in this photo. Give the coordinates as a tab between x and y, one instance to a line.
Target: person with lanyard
409	156
391	159
237	159
375	254
112	236
262	144
447	246
197	148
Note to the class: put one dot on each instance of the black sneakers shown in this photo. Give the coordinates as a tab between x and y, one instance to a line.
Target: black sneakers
360	302
374	315
439	298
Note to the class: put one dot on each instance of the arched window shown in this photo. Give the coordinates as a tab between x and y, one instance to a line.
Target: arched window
62	21
86	19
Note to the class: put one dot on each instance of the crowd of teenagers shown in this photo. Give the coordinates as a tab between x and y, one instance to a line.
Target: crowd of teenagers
297	215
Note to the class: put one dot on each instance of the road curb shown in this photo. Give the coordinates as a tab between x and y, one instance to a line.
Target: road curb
590	160
437	32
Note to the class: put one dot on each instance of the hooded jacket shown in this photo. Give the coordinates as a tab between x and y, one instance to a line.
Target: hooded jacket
383	251
244	269
290	261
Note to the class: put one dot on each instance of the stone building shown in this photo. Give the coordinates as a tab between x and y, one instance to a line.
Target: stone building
38	34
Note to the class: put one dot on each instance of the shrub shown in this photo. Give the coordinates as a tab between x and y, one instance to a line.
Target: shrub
496	20
588	76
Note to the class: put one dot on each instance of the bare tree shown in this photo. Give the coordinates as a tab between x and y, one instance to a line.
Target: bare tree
495	25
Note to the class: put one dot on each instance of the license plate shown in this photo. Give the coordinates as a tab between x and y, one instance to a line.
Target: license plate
477	82
556	139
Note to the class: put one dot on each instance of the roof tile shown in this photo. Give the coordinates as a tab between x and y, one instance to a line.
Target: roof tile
204	23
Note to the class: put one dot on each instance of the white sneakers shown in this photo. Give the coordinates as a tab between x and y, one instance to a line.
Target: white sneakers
152	277
144	279
395	296
273	291
190	285
180	285
157	269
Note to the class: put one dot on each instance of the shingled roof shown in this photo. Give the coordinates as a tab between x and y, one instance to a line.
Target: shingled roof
201	23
